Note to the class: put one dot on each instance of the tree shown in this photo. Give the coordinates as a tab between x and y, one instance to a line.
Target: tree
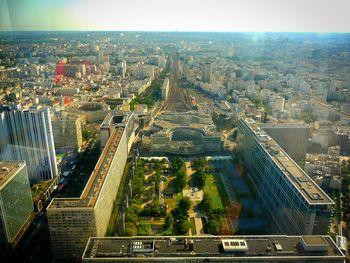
199	163
144	229
176	163
157	181
180	180
199	178
206	203
184	204
130	229
214	226
137	185
182	225
168	222
130	216
132	213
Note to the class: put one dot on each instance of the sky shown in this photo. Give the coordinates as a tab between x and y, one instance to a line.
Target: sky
177	15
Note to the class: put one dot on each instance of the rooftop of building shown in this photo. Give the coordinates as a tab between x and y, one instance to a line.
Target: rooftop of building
8	169
117	118
169	120
312	193
197	247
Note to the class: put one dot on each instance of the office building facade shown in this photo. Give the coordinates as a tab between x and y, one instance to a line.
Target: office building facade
16	205
27	135
296	203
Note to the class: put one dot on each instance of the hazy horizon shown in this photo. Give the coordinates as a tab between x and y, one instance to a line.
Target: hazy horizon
183	16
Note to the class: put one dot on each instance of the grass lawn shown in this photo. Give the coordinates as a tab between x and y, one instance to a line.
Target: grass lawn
220	185
211	188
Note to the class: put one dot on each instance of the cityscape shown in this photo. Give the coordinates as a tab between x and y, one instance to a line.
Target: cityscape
174	146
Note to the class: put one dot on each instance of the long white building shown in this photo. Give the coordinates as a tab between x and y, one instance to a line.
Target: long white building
72	221
27	135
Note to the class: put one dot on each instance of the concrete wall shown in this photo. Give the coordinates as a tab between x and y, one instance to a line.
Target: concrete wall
108	193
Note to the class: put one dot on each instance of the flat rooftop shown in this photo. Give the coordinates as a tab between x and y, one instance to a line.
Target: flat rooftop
117	119
312	193
189	119
93	187
8	169
177	248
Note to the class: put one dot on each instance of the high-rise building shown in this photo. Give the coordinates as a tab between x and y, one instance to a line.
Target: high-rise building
16	205
27	135
296	203
73	220
100	56
278	104
165	89
213	249
122	68
206	72
67	130
292	137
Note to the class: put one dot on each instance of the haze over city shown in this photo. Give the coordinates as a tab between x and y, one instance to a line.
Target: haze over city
181	15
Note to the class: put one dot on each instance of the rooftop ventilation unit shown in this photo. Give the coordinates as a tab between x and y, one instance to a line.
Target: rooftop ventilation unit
314	244
234	245
278	246
142	246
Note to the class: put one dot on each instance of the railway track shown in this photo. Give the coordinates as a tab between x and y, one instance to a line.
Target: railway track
176	101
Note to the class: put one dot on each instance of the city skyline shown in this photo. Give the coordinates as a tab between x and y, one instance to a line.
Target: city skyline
221	16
